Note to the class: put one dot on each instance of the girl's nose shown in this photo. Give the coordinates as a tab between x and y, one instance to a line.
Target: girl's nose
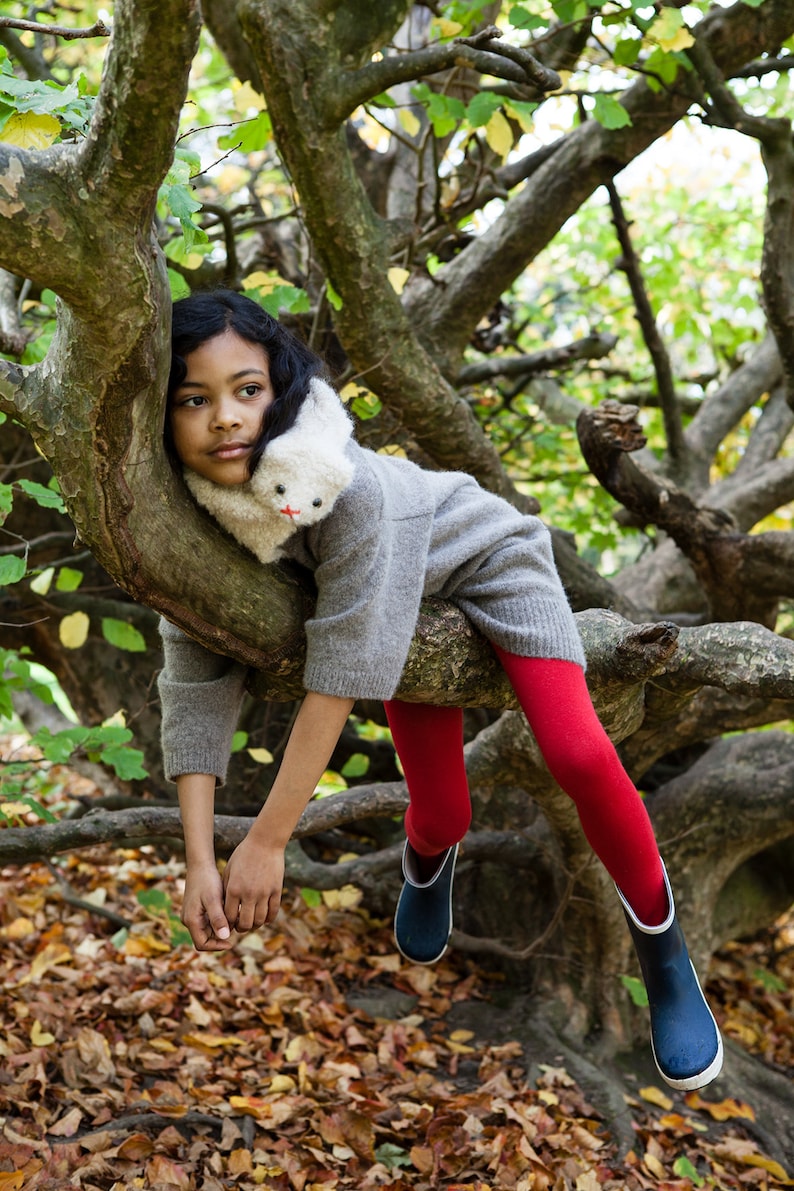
225	415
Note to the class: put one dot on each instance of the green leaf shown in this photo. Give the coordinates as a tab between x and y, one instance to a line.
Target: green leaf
312	897
627	51
44	497
12	569
635	989
249	136
58	747
239	741
6	500
355	766
610	113
282	297
392	1156
68	579
179	287
156	900
333	297
27	800
685	1170
482	107
127	763
122	635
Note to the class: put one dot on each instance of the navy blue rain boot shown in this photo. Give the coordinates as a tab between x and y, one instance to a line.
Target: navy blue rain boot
423	918
686	1044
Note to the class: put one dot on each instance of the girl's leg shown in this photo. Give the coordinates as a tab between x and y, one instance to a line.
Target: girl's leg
582	759
429	743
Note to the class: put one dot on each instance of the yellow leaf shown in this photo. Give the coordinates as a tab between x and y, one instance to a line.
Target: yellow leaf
447	28
409	120
144	946
669	32
49	957
722	1110
263	281
246	97
20	928
770	1166
346	898
397	279
30	131
262	756
11	1180
39	1036
73	630
656	1096
282	1083
499	135
682	40
212	1041
652	1163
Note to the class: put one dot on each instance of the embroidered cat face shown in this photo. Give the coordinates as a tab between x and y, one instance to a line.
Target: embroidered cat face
296	483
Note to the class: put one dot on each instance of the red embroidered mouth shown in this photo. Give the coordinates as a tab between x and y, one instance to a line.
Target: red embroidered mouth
288	512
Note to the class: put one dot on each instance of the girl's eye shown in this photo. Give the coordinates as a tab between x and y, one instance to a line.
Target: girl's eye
193	401
252	390
280	489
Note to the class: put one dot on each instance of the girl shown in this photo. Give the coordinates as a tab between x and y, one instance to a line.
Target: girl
265	446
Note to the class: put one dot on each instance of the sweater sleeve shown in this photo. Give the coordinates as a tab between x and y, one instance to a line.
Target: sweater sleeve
200	694
371	554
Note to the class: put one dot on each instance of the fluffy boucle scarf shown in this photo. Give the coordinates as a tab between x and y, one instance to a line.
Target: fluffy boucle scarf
297	481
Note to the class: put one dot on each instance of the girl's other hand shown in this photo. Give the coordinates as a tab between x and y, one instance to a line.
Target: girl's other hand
202	909
253	880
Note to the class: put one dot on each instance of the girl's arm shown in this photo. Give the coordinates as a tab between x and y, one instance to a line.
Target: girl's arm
254	876
202	905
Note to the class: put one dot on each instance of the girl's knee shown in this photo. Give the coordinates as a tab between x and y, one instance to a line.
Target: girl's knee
429	833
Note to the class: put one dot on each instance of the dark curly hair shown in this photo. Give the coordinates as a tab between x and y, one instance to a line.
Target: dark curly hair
292	364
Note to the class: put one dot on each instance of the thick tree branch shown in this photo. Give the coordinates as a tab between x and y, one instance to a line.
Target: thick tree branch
777	150
721	556
723	408
482	53
585	159
590	347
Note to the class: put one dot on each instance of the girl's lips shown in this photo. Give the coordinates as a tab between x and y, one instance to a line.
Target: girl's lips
231	450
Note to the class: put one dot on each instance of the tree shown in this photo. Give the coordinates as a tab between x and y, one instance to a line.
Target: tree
409	267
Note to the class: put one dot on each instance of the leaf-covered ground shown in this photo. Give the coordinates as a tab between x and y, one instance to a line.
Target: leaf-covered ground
127	1060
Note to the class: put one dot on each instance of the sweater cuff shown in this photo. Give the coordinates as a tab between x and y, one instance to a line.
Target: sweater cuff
348	683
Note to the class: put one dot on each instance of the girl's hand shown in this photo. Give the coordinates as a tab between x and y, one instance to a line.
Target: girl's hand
202	909
253	880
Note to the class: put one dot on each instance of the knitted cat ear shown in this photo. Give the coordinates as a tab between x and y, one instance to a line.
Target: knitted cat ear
322	414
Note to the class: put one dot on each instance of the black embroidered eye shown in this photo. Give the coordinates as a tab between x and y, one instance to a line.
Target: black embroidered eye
280	489
316	502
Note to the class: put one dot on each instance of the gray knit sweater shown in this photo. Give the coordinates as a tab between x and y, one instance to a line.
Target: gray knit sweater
394	534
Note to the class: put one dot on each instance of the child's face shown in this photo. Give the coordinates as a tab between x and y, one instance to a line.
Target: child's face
216	413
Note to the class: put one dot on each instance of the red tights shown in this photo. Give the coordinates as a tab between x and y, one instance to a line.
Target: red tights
581	758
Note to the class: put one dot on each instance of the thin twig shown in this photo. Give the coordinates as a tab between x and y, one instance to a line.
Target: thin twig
98	29
72	899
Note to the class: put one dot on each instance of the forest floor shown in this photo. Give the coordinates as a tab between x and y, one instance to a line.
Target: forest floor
312	1057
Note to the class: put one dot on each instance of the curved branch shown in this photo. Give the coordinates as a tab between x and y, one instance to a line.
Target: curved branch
502	61
585	159
777	150
721	557
130	143
723	408
591	347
